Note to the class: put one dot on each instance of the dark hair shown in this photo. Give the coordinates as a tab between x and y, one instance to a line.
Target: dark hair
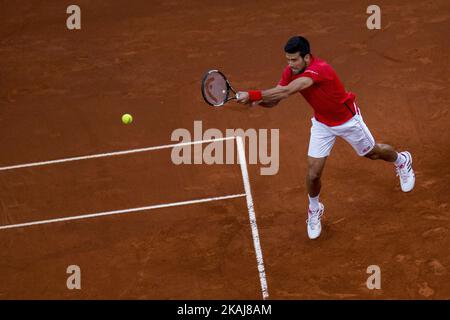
297	44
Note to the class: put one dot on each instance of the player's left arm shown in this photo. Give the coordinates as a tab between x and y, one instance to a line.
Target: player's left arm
275	94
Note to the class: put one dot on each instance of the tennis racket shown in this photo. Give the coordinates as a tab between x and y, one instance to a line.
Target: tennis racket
216	89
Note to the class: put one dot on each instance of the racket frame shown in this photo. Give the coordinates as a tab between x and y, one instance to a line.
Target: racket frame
227	95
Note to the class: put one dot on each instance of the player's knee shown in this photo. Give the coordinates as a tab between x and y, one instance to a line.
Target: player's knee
313	175
373	155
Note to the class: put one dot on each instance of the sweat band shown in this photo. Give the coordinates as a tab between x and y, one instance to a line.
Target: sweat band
255	95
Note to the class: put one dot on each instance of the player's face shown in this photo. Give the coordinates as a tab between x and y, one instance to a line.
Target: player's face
296	62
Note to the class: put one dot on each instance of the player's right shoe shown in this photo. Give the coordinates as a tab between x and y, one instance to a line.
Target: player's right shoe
406	173
313	223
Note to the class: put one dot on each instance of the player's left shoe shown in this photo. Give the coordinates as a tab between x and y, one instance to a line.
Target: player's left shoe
314	226
406	173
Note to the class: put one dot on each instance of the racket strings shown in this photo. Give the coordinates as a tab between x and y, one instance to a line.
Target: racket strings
215	88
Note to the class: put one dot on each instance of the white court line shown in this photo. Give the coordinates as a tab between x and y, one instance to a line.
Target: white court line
252	217
110	154
109	213
247	195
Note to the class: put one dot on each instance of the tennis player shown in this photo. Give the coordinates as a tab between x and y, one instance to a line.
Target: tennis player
336	114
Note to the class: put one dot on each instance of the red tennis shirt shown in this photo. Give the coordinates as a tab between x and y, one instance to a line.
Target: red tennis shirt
327	96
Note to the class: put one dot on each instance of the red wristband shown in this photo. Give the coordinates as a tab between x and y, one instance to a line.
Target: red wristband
255	95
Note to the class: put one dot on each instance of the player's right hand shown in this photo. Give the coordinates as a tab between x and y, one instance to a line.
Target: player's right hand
242	97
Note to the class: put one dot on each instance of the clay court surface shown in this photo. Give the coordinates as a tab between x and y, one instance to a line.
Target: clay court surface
62	94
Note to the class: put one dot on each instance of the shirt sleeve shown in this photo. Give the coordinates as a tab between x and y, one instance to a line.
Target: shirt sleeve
285	77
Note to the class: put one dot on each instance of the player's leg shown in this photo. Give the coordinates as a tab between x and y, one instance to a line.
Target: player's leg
356	132
402	161
320	145
313	182
382	151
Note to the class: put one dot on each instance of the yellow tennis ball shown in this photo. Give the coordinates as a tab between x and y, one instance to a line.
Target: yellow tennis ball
127	118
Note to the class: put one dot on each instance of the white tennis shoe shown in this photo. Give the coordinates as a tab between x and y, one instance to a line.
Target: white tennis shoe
313	223
406	173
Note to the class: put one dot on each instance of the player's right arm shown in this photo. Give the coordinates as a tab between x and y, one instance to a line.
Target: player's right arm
274	95
269	104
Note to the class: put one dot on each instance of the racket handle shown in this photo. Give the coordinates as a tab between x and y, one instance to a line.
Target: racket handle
237	96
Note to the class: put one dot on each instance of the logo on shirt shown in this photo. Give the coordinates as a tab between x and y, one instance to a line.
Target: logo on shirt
311	72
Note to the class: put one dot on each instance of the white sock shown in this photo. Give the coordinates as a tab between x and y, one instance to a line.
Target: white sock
400	160
313	203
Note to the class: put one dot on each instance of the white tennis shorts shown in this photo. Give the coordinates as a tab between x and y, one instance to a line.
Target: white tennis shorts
354	131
